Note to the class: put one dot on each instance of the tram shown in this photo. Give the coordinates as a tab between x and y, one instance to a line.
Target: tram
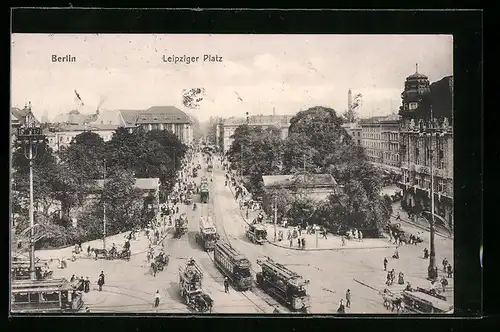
47	296
233	265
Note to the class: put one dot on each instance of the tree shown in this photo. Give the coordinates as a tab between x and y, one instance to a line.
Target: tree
124	203
85	155
257	152
317	136
44	168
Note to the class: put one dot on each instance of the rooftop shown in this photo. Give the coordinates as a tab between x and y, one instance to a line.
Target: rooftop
155	114
380	119
260	120
78	127
140	183
308	180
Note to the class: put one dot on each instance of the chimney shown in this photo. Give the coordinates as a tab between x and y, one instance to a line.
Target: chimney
349	100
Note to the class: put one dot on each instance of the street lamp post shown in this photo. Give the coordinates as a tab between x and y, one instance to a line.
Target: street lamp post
275	216
30	135
432	132
104	206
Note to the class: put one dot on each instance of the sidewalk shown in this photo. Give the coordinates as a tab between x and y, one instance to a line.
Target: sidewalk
420	223
332	242
138	246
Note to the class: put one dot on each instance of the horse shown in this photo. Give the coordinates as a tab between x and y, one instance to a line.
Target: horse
98	252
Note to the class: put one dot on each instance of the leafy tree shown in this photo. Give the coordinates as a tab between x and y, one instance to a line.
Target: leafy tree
44	168
258	152
85	155
124	203
317	136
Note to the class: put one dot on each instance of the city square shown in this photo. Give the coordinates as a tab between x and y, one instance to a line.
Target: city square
163	209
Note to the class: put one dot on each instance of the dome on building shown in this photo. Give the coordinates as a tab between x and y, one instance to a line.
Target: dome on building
416	75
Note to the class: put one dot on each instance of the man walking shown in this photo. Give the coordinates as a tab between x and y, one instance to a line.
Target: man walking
348	298
157	299
385	263
100	281
226	285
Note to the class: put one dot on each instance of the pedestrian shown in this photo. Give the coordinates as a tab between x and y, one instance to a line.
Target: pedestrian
385	263
348	298
300	230
291	242
450	271
299	242
444	283
88	250
445	263
398	217
343	240
157	299
360	234
72	278
341	309
426	253
323	232
226	284
303	243
86	288
288	234
100	281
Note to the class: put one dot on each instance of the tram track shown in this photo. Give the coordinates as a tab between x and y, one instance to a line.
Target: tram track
255	290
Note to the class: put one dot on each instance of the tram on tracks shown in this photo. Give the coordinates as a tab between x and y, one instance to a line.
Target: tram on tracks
284	285
207	235
233	265
45	296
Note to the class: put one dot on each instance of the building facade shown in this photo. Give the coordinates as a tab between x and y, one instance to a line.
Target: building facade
426	146
281	122
317	187
160	118
354	130
380	138
59	137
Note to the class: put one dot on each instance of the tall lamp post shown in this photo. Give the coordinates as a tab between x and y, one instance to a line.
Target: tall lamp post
30	135
432	131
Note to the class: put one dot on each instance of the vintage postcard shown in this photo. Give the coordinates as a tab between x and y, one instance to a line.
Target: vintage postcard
248	174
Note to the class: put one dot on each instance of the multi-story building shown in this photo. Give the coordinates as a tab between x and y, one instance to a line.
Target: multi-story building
380	138
426	146
281	122
354	130
18	118
60	136
160	118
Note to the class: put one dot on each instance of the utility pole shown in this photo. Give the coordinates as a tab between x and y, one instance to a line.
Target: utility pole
30	134
431	271
104	206
275	215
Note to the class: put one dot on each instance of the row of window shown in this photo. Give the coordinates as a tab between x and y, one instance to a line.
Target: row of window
391	156
424	181
371	136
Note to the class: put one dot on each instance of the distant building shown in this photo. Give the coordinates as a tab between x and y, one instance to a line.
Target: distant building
380	138
18	118
160	118
354	130
281	122
74	117
422	104
317	187
60	136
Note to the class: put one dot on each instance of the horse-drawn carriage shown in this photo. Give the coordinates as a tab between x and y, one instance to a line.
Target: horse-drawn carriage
113	253
190	280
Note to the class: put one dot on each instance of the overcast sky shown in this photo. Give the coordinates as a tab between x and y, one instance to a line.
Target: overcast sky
288	72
